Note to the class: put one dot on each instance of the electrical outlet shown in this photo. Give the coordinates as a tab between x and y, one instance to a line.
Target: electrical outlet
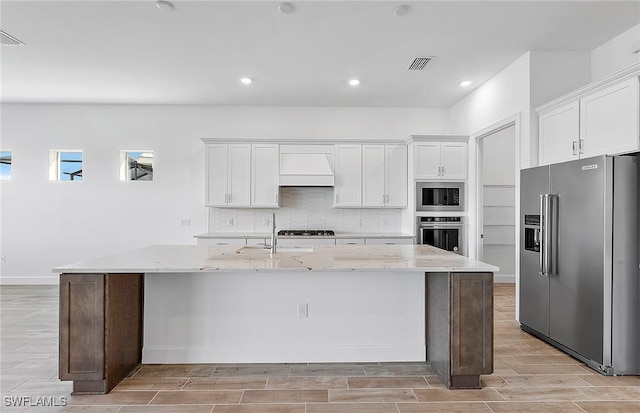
359	222
266	222
3	259
230	222
303	310
185	222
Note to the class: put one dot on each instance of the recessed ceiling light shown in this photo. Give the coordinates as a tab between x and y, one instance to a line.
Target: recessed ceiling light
402	10
286	8
354	82
246	80
466	83
165	6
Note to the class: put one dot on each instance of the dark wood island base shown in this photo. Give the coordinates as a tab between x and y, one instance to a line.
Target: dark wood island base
101	328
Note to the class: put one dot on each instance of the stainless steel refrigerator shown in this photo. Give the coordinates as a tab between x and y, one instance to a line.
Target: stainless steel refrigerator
580	259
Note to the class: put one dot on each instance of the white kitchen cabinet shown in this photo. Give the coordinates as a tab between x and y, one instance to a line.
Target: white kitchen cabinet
395	173
304	242
222	241
384	176
609	120
389	241
559	132
348	176
264	175
440	160
228	175
258	241
600	119
349	241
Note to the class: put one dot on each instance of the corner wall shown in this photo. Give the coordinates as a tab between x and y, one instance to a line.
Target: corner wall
45	223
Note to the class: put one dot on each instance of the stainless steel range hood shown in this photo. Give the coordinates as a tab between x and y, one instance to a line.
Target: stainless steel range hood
306	165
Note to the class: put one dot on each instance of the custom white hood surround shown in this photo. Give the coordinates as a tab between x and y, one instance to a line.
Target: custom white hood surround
306	165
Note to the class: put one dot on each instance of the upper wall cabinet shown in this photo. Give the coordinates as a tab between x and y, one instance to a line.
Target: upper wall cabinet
438	160
242	175
264	175
228	175
384	176
600	119
348	176
560	133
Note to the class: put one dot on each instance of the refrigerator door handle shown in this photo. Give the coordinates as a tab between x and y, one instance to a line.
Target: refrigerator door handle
543	237
552	234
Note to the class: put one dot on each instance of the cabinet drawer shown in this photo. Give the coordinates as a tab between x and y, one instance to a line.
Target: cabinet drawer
304	242
258	241
222	241
389	241
349	241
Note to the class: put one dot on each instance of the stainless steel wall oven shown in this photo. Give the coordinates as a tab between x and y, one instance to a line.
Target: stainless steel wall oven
442	232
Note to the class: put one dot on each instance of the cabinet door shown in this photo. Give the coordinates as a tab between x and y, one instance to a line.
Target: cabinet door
373	177
264	175
82	327
427	160
239	175
559	132
453	160
348	176
609	120
395	172
216	164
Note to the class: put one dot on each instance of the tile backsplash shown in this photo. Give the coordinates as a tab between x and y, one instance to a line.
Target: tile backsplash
306	208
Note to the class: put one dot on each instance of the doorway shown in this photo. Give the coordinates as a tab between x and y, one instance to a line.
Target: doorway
497	200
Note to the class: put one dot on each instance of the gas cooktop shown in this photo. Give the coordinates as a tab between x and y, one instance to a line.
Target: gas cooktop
306	232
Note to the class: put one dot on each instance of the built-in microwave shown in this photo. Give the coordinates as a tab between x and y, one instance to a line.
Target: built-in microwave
440	196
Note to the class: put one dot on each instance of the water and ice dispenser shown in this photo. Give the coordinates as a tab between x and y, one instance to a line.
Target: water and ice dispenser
532	233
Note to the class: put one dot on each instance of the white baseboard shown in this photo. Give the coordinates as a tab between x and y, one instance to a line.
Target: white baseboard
282	354
504	278
46	280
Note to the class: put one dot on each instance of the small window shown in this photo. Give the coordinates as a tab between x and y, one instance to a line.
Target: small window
5	165
136	165
65	165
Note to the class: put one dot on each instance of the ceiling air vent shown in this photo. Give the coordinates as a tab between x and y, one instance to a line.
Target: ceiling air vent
8	40
420	63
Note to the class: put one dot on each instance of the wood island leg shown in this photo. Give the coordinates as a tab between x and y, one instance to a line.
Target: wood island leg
100	329
460	327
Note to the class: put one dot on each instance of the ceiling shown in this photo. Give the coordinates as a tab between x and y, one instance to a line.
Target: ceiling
131	52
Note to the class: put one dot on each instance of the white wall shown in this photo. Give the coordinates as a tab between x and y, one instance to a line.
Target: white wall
45	224
503	96
513	94
616	54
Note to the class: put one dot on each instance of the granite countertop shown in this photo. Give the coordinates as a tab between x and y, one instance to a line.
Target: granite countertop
230	258
214	235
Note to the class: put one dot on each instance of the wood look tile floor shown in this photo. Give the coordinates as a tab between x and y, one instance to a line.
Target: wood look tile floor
530	376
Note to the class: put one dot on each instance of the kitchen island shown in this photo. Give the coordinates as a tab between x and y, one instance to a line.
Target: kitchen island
234	304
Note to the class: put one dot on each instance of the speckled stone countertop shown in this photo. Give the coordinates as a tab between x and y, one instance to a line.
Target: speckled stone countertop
233	258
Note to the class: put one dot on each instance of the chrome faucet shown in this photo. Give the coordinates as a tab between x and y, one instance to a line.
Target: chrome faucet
274	240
